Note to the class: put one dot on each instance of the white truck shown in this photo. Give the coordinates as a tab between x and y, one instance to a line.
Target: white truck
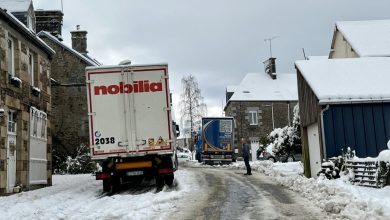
132	134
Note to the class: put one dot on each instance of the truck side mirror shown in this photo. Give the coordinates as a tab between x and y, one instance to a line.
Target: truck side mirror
177	130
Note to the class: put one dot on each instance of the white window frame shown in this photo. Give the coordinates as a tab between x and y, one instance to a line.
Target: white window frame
11	125
43	117
35	124
253	118
11	56
31	68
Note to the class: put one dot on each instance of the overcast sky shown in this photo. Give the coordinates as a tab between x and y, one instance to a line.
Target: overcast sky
217	41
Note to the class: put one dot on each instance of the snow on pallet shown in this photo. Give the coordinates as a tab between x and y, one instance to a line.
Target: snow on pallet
371	173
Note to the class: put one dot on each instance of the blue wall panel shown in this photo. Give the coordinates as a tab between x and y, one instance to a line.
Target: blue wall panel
386	120
338	126
363	127
359	130
328	129
349	133
368	118
380	132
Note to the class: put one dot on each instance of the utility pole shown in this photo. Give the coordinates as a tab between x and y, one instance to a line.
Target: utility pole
270	43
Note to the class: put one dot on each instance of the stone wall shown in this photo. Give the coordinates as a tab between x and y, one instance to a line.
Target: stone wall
70	126
20	99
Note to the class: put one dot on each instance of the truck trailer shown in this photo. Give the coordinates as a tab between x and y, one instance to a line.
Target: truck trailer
131	130
217	139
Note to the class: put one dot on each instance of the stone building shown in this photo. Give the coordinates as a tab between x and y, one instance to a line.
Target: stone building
70	125
261	103
25	105
23	10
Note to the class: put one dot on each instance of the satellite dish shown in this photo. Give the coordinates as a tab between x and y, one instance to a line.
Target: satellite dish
125	62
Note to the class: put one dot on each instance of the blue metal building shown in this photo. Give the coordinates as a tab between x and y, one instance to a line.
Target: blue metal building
363	127
343	103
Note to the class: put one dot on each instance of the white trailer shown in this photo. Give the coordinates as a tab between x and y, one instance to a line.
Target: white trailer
131	130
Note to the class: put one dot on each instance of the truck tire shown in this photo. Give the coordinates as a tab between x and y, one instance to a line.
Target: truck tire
106	186
159	181
169	179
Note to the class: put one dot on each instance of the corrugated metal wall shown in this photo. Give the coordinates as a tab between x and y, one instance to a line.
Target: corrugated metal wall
363	127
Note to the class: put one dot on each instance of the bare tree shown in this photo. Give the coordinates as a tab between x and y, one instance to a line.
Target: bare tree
192	107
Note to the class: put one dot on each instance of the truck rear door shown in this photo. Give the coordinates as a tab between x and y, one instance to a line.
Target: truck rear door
129	110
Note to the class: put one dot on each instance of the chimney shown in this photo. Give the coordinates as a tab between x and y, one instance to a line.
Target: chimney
270	67
50	21
79	40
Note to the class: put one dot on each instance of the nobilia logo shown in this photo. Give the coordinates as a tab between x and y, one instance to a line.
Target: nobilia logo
136	87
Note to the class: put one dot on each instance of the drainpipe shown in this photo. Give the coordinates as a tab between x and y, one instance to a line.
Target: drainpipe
29	149
288	113
273	120
323	130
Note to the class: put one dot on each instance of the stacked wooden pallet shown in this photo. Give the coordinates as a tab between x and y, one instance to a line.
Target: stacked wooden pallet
368	172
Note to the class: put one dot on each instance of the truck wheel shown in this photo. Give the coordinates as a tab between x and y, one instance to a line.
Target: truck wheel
159	181
106	186
169	179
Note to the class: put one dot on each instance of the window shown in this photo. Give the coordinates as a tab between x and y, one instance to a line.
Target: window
44	122
253	118
30	22
11	63
12	122
35	124
31	68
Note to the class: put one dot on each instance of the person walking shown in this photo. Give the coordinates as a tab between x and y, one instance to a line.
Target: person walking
245	155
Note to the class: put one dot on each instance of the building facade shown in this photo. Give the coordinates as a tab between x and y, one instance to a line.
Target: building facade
25	108
70	126
353	39
259	104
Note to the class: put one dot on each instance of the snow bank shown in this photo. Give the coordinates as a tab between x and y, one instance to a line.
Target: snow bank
80	197
384	156
338	197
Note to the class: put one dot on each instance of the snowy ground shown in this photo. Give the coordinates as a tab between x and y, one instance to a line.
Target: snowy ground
80	196
338	197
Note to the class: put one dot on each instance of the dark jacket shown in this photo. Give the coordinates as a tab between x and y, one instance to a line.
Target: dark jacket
245	150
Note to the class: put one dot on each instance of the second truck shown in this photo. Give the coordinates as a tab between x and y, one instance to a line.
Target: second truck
216	140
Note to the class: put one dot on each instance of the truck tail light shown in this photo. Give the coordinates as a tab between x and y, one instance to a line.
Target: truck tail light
102	176
165	171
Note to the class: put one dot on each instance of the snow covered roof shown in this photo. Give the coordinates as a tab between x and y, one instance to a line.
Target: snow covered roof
231	88
260	87
317	57
350	80
15	5
367	38
29	34
81	56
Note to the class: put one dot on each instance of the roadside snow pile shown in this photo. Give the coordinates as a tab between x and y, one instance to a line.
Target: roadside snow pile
80	197
337	197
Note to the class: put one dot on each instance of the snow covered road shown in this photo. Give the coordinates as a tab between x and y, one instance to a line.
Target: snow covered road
228	194
204	192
